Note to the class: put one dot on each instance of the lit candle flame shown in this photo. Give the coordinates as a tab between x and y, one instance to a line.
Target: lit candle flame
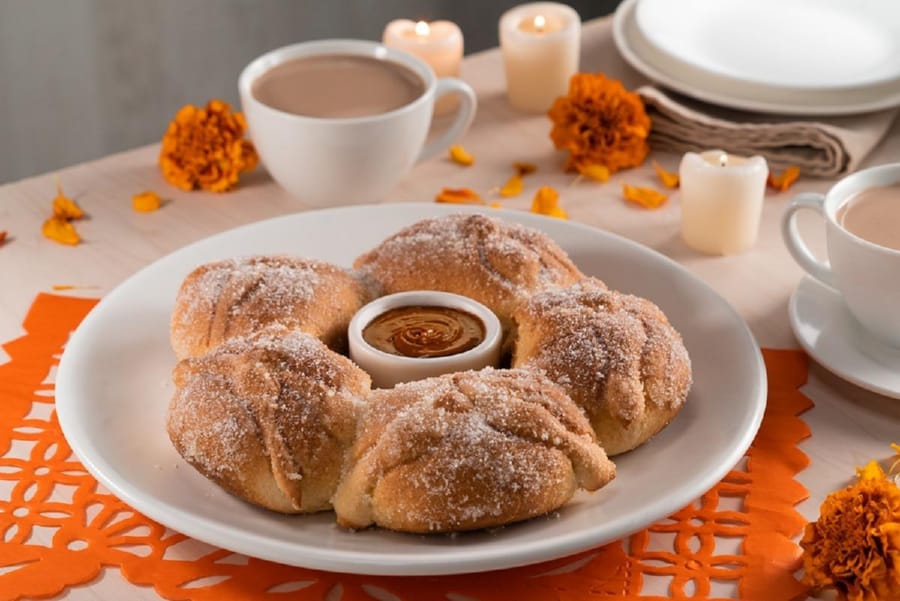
422	29
540	22
723	160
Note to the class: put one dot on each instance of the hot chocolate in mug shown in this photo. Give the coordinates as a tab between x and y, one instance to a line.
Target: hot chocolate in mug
346	119
866	274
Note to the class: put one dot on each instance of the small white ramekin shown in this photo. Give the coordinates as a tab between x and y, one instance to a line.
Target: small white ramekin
387	370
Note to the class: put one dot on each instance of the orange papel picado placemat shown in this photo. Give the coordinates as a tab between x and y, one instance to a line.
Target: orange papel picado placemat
58	528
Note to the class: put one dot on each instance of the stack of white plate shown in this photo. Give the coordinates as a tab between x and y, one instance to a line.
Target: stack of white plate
810	57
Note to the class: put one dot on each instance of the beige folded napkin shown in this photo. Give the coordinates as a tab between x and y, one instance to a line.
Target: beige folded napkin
821	147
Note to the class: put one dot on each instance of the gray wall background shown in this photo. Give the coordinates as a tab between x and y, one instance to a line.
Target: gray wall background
80	79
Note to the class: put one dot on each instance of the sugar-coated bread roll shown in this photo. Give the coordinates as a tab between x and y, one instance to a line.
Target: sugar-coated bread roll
615	354
467	450
269	418
238	297
497	263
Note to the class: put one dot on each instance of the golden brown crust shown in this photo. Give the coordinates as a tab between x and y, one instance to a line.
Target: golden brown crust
238	297
467	450
496	263
270	413
615	354
268	417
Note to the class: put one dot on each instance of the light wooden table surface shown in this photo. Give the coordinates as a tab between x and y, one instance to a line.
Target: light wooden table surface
849	425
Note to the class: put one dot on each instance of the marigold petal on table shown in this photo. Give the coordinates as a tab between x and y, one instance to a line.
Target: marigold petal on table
65	207
669	179
645	197
546	202
60	230
146	202
598	173
459	196
3	235
459	155
523	169
783	180
513	186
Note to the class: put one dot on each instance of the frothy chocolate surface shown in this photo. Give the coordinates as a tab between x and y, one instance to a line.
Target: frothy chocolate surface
338	86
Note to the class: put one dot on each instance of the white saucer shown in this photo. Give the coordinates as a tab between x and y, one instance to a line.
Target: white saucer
831	336
748	94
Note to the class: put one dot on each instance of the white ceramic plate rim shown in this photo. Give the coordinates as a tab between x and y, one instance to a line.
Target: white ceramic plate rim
671	37
755	98
418	561
843	366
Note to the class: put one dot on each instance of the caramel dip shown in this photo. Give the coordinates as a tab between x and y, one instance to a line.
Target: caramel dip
424	332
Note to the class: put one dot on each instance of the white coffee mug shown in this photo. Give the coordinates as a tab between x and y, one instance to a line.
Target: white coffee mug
339	161
865	274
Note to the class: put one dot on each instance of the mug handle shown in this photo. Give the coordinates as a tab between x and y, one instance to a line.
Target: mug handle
464	115
794	242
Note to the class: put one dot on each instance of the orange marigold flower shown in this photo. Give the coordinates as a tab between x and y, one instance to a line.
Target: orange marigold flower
600	123
854	546
205	148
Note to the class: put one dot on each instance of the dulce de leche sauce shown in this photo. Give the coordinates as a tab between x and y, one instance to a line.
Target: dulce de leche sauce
423	332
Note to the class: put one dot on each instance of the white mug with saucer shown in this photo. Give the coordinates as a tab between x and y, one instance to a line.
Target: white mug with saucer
856	292
349	160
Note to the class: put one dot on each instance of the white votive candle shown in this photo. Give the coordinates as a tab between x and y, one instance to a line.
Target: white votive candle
540	43
439	43
721	201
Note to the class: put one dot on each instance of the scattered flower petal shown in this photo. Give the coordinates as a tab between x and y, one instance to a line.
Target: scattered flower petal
205	148
645	197
785	179
598	173
465	196
668	178
64	207
64	287
523	169
2	237
60	230
495	205
513	186
146	202
459	155
546	202
599	122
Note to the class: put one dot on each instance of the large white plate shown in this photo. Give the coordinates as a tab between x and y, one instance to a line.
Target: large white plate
113	388
796	44
694	81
